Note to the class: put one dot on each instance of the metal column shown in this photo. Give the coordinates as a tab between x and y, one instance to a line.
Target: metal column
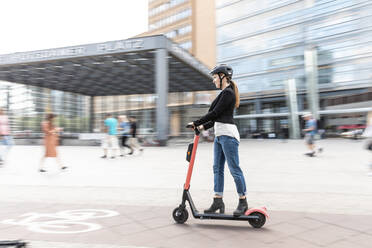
91	114
161	84
311	69
258	110
294	129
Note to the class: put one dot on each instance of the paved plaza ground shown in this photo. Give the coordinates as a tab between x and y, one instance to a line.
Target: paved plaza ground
325	201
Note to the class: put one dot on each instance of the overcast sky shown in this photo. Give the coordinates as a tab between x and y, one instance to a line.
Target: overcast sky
27	25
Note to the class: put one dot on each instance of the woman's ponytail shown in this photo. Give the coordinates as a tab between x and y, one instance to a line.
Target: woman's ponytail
237	98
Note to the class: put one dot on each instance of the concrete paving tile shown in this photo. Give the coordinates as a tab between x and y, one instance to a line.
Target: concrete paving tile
143	215
240	243
19	209
276	217
174	230
361	239
217	231
157	222
113	221
128	229
265	235
288	228
290	242
129	210
145	238
353	222
50	237
325	235
48	244
14	232
307	222
369	231
345	244
99	237
193	240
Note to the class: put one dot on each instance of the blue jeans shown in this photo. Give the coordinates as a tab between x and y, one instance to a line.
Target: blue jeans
226	148
6	141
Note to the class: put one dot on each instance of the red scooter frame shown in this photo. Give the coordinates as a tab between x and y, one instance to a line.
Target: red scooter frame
255	216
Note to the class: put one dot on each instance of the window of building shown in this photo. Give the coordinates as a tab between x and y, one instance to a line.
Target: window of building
319	8
249	84
179	31
163	7
286	61
284	40
171	19
234	11
186	45
236	29
239	48
221	3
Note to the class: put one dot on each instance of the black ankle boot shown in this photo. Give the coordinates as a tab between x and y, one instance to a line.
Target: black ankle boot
216	205
242	207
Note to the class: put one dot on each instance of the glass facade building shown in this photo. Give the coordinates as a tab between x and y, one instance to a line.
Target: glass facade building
27	106
265	42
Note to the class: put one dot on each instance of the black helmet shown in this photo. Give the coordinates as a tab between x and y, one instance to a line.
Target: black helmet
223	68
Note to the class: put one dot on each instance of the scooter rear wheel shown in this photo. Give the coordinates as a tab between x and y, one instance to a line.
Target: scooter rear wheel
257	223
180	215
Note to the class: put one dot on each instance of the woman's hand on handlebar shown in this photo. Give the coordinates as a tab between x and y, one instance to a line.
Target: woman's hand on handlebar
191	125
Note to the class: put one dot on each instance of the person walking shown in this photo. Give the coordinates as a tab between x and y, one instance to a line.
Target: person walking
227	139
110	140
5	137
133	141
310	132
124	130
51	136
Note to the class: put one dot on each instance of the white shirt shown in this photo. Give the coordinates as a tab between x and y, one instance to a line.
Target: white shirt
226	129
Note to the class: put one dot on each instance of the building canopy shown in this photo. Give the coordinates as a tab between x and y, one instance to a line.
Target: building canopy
111	68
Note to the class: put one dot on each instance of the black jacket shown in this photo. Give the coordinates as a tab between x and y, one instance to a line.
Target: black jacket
221	110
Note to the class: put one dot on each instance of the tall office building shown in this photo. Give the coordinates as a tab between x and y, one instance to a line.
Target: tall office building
323	46
191	23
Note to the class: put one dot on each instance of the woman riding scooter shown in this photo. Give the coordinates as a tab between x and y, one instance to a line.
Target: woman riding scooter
227	138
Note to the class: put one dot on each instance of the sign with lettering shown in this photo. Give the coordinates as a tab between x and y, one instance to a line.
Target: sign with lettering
78	51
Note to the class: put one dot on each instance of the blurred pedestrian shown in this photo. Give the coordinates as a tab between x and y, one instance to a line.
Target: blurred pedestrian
310	132
124	130
51	138
110	140
368	134
5	136
133	141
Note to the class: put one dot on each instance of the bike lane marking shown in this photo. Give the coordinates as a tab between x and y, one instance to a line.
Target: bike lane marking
62	222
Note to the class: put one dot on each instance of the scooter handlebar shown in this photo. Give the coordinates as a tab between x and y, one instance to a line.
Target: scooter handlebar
196	130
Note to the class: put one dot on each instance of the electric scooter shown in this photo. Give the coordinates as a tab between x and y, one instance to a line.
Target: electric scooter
255	216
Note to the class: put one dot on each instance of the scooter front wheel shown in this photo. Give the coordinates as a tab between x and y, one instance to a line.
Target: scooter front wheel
180	215
257	223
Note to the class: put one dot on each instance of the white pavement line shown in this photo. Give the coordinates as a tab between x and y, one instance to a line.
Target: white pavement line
44	244
61	221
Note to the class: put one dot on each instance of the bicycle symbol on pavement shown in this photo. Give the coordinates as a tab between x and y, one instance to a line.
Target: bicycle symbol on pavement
63	222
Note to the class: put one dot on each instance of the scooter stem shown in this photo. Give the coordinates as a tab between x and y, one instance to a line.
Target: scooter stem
191	164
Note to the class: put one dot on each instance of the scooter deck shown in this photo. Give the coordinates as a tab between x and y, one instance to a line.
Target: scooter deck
223	216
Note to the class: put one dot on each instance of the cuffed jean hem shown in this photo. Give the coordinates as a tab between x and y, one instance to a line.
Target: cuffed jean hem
218	193
241	194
